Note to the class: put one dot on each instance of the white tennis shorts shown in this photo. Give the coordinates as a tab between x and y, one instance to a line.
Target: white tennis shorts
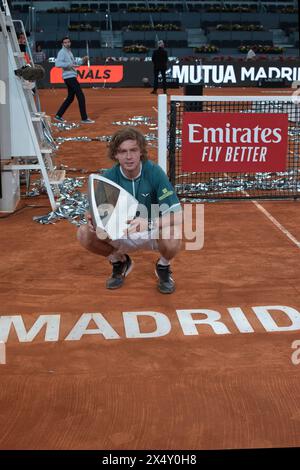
136	241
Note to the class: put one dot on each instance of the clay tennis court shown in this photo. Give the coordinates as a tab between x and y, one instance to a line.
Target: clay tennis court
212	390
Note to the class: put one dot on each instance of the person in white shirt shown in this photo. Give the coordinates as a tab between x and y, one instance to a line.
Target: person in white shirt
67	62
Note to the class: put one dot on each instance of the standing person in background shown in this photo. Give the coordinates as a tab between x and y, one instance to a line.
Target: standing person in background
39	56
160	63
67	62
22	44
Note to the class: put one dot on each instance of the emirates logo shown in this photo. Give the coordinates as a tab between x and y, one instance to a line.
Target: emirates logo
234	142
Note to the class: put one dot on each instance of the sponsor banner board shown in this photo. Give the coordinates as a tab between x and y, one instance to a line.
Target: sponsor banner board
234	142
140	74
92	74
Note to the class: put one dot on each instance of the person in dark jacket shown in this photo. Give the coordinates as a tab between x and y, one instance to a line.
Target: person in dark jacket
160	63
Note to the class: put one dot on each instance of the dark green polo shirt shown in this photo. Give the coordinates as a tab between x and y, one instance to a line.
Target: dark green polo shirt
151	188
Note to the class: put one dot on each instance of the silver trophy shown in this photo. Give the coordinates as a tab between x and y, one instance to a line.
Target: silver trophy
111	207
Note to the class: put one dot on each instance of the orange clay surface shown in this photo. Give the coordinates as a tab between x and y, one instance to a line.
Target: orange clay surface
205	391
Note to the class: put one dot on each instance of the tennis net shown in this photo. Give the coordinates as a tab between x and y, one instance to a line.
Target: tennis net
205	184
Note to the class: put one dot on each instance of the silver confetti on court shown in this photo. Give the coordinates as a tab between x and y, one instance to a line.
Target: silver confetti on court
283	181
65	126
136	121
72	203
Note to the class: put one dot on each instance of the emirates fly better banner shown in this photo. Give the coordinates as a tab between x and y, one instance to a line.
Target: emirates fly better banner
234	142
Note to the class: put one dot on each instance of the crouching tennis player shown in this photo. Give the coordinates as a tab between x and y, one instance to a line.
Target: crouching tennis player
148	183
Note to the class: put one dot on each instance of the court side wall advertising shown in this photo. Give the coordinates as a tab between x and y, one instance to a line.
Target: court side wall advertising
140	74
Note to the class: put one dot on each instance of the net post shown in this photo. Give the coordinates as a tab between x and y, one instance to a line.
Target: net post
162	132
172	143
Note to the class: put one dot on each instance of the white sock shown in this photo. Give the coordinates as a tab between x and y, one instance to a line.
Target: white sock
163	261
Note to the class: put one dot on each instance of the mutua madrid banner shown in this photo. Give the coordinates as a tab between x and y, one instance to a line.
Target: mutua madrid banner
91	74
234	142
234	74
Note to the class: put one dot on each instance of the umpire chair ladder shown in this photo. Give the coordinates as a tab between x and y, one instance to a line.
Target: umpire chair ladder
26	142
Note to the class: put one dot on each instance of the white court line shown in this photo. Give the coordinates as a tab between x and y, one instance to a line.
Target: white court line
286	92
271	218
277	224
156	110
